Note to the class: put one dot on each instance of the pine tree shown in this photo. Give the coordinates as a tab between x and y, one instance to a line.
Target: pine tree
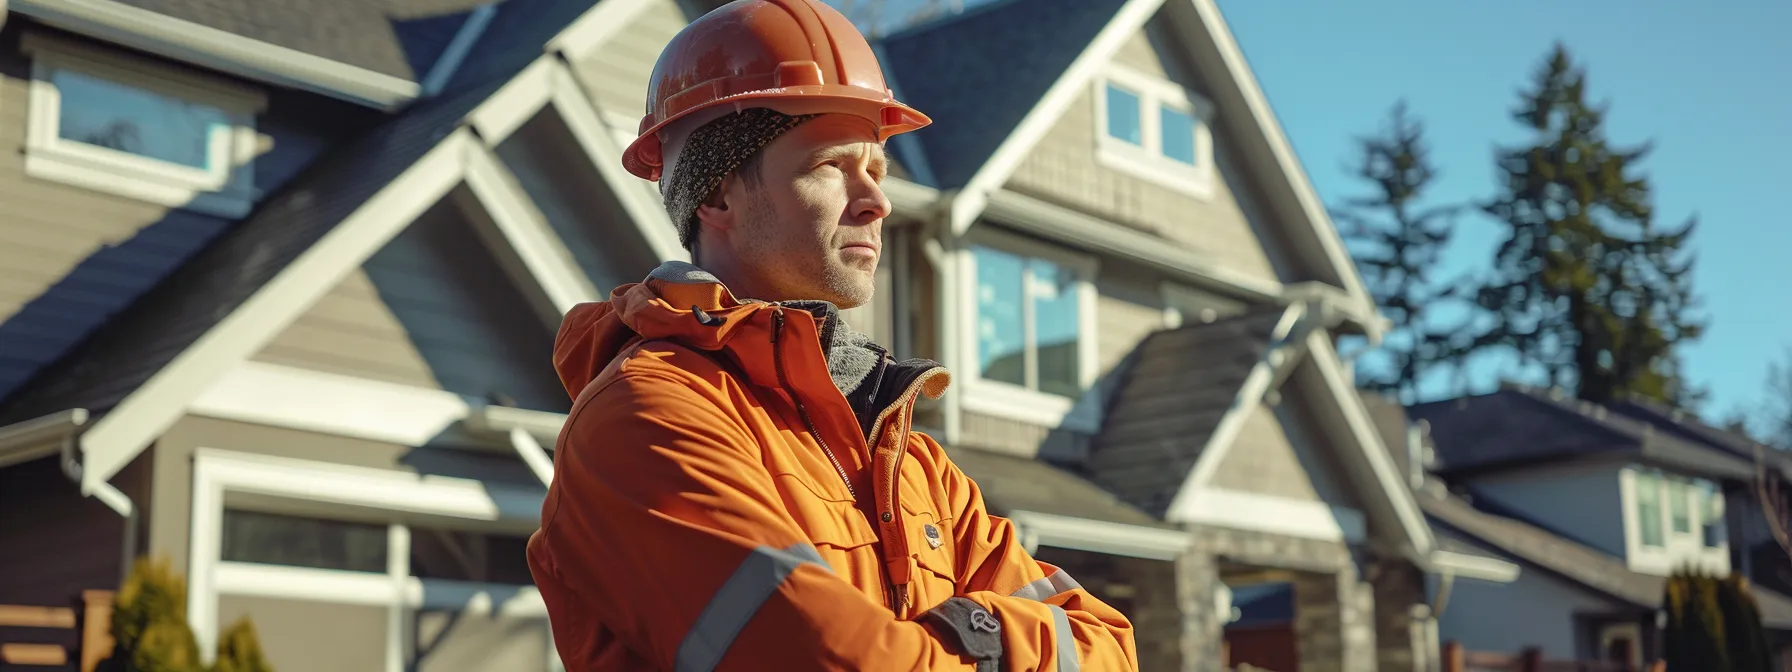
1585	285
1777	414
1399	246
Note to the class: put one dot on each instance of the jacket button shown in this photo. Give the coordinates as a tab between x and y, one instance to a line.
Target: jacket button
887	516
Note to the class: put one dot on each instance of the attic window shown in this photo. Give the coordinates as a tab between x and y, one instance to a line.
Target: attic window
139	130
1154	129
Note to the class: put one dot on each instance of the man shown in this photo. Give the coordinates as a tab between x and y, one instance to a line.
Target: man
738	486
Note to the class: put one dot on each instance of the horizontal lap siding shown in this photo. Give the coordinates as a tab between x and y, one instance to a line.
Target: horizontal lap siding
1063	169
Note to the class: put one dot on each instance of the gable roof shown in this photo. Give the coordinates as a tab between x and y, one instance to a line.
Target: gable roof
1578	564
1522	426
142	369
400	38
977	74
1172	400
1010	483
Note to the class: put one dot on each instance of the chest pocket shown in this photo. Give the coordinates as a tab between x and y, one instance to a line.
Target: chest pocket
931	544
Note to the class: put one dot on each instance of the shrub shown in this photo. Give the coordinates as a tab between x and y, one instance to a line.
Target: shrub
150	631
1714	625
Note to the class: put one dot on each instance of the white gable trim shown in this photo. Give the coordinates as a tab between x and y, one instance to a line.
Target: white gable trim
544	256
1271	514
1264	119
347	406
595	27
971	200
1388	481
154	406
214	49
121	434
1286	343
637	197
1096	536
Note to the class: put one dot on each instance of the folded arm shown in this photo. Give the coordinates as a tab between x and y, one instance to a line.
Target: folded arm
663	520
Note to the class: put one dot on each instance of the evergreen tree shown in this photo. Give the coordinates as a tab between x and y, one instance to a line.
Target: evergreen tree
1777	418
1585	285
1399	244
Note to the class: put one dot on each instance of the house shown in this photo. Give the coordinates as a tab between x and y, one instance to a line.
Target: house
303	352
1599	503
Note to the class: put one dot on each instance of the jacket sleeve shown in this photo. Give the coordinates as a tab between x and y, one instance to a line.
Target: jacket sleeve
662	534
1047	617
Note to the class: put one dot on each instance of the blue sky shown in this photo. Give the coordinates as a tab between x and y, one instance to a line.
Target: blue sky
1706	83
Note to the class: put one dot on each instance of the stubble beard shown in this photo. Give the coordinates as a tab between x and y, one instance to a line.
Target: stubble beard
826	278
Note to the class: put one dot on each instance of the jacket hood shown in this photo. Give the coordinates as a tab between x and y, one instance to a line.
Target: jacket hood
677	302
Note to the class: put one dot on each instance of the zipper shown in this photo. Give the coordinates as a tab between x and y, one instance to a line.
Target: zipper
778	364
899	591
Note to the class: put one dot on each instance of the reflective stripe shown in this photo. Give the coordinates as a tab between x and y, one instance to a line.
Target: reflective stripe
1068	658
735	603
1058	583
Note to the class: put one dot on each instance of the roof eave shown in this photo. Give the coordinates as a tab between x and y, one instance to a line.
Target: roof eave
220	50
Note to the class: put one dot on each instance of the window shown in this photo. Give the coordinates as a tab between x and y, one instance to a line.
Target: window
1028	319
274	539
1156	130
137	130
1711	513
1648	508
1029	311
1680	505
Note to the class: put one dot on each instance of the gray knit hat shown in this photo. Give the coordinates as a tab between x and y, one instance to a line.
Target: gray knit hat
713	151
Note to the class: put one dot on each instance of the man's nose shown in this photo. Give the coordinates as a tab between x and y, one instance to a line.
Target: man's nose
869	204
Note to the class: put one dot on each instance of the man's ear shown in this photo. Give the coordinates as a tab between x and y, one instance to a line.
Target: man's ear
716	212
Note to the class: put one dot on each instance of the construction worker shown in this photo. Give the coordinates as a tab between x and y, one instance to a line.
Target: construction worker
738	486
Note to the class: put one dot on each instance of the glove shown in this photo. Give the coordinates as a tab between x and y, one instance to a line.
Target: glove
971	628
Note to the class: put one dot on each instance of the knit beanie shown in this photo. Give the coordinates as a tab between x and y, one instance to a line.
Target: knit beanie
711	153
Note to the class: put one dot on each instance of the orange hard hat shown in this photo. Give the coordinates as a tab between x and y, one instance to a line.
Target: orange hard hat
793	56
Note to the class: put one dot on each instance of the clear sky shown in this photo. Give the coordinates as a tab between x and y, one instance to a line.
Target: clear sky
1709	83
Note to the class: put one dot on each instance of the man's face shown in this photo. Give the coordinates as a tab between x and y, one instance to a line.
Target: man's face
812	227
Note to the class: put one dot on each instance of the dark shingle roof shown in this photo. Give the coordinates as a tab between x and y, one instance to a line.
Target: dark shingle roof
978	73
141	339
1520	426
401	38
1592	569
1010	483
1180	385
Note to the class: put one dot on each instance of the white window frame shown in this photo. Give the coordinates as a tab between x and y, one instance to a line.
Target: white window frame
1146	160
228	191
1016	402
1678	548
223	478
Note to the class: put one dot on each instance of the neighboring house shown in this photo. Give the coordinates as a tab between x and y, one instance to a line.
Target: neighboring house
298	337
1599	504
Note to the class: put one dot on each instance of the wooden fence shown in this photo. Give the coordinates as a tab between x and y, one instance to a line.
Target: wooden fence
47	632
1457	659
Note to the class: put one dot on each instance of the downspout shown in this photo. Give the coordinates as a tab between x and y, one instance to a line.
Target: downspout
946	295
108	495
66	429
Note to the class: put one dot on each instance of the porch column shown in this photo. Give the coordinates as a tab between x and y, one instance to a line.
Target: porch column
1203	628
1399	590
1334	622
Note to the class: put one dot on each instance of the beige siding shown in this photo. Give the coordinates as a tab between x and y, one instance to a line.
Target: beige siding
1130	307
1274	454
1025	439
1064	169
300	636
351	332
435	309
617	72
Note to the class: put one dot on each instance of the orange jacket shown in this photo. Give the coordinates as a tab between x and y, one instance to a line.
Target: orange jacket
716	505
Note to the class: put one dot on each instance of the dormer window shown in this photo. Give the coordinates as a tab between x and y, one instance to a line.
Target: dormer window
1154	129
140	130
